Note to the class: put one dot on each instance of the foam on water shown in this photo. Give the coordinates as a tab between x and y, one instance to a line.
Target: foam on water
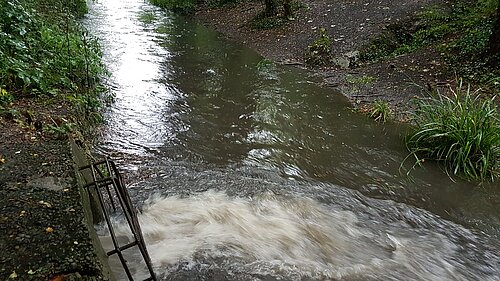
293	237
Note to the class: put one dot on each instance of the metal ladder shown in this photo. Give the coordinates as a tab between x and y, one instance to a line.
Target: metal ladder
107	184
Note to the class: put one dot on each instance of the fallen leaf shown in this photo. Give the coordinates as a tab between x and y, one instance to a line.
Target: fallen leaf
49	229
47	204
59	278
2	160
13	275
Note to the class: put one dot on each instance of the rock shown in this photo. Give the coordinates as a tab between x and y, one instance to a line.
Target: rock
51	183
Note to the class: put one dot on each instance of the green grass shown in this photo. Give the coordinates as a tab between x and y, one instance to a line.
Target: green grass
381	111
461	131
365	79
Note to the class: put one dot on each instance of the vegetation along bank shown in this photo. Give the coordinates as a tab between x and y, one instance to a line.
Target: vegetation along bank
420	61
380	54
49	88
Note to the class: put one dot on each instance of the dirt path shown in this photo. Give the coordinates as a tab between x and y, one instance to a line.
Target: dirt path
350	24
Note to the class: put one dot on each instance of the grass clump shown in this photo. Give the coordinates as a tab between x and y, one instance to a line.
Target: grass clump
319	53
461	131
381	111
365	79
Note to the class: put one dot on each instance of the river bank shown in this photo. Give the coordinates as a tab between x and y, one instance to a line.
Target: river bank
43	233
47	91
351	26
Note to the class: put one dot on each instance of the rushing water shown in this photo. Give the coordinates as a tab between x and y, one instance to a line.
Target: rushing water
246	170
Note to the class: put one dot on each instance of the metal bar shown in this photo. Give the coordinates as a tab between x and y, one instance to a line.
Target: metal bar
114	182
122	248
110	228
107	187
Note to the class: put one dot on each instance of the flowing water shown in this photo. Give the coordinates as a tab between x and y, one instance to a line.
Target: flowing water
247	170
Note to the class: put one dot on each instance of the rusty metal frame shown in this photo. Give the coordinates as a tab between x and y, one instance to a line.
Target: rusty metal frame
106	179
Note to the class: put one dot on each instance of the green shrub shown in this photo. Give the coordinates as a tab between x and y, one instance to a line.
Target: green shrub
43	50
5	97
319	52
460	32
462	131
178	6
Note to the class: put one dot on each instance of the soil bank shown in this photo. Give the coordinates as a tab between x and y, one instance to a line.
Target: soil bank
43	233
351	24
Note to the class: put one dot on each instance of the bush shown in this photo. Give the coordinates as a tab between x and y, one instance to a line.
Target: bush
319	52
460	32
462	131
43	51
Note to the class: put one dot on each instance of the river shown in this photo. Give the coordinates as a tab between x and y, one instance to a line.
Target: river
247	170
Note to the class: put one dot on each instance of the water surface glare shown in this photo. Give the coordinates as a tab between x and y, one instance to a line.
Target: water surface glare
247	170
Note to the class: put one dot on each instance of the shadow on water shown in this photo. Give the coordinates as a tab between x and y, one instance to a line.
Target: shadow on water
225	142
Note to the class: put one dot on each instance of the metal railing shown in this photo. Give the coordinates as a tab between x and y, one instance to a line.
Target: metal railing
107	185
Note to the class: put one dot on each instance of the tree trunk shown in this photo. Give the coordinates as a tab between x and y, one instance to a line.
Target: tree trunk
271	8
287	7
494	44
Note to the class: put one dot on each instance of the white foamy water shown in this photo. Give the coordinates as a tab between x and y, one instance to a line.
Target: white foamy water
294	238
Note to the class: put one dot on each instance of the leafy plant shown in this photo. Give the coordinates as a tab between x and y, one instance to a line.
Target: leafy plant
44	51
60	131
319	52
459	130
381	111
9	113
5	97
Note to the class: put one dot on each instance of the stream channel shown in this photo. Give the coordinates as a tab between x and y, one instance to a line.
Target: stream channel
247	170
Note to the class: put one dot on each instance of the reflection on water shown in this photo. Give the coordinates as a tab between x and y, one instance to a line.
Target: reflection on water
195	112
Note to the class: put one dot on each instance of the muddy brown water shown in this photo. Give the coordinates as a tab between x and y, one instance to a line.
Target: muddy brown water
247	170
